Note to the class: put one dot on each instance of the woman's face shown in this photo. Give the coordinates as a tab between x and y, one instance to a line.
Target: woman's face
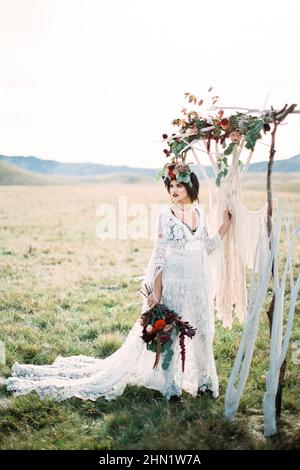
179	193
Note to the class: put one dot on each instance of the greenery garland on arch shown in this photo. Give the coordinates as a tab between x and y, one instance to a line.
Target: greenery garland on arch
226	130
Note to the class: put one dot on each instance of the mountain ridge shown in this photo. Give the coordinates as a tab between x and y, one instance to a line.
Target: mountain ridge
86	172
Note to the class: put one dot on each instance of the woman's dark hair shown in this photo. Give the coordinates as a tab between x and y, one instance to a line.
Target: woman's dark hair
191	190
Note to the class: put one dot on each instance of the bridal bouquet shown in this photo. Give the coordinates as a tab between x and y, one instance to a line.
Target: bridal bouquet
160	327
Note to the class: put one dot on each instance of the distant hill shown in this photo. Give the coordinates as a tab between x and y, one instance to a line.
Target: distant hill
33	170
52	167
280	166
10	174
126	178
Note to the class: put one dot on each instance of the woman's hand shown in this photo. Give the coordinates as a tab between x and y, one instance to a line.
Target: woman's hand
153	300
227	217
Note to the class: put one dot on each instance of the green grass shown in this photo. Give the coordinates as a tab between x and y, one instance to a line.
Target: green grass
63	292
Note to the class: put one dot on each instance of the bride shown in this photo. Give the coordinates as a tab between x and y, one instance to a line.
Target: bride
181	274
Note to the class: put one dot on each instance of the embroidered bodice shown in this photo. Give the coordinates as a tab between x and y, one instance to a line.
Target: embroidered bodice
173	234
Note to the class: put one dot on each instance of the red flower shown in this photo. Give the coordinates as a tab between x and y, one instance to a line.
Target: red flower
224	123
159	325
164	338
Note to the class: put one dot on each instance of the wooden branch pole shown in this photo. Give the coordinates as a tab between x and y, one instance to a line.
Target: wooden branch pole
255	110
278	117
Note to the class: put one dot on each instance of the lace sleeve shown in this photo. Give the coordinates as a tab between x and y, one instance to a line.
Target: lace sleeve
159	248
211	244
157	258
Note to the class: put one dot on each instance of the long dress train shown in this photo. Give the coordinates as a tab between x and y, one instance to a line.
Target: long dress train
190	263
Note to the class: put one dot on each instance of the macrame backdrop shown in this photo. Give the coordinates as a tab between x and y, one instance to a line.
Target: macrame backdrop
241	242
253	243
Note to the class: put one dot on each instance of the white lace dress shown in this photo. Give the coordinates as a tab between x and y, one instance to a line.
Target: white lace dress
187	261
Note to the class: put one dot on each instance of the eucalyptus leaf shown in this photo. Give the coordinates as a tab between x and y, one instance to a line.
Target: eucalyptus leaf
151	346
167	359
183	178
229	149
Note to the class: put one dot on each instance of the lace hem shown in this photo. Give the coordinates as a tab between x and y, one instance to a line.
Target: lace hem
172	390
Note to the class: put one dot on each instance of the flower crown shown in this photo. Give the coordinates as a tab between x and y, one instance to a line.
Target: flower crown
177	169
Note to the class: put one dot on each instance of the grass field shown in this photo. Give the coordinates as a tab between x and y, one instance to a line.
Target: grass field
64	291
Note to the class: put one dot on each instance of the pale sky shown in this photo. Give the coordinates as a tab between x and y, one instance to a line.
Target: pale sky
89	80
